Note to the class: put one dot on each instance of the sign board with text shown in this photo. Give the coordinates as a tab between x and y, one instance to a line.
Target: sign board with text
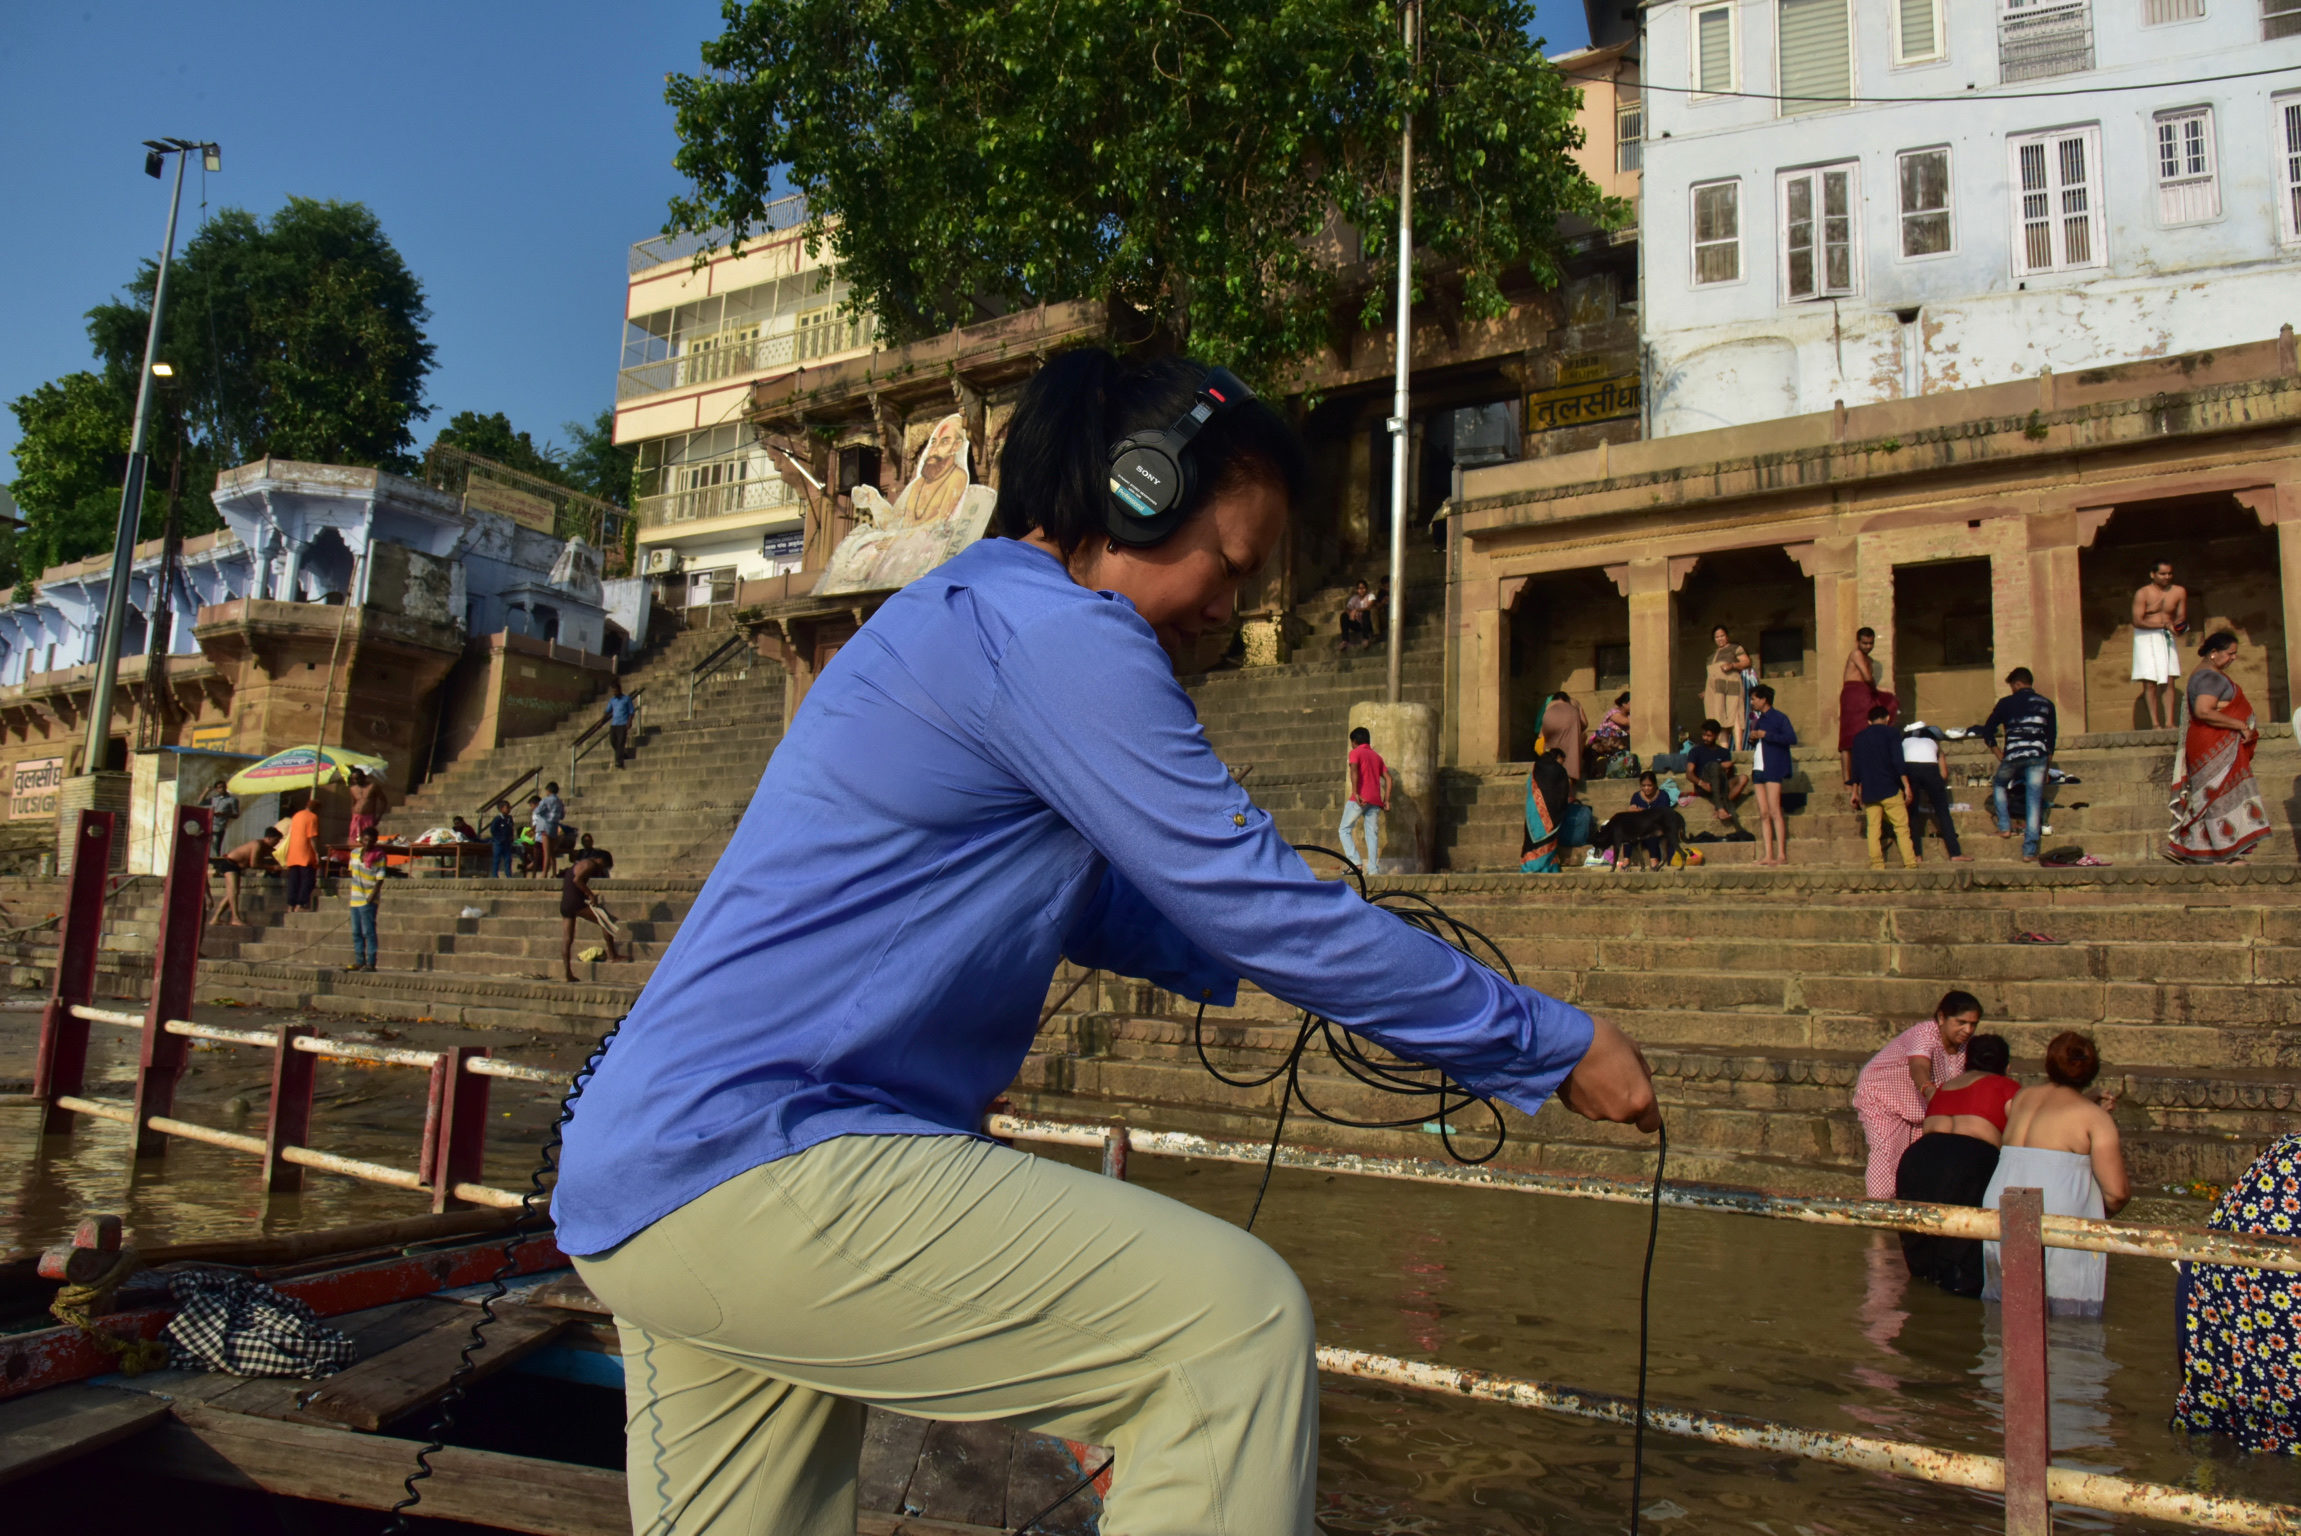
1581	404
33	786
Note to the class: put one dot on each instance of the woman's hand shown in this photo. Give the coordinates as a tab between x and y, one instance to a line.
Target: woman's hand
1612	1082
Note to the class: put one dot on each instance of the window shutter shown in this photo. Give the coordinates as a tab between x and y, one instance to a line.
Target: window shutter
2280	18
2058	207
1817	54
1717	49
2289	164
1916	22
2187	188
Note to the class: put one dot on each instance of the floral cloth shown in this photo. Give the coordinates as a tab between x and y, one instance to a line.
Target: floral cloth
2217	810
1888	1103
2241	1328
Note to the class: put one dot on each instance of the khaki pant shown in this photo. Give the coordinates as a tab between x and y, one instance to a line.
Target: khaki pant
1893	809
956	1279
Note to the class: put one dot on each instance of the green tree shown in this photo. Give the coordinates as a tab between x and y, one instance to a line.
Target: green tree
68	464
593	464
299	337
1179	159
493	437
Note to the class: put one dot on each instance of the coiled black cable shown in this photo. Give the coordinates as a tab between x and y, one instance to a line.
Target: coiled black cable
1413	1080
527	1218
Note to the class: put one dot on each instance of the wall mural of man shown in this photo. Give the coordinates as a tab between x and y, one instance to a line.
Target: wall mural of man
938	514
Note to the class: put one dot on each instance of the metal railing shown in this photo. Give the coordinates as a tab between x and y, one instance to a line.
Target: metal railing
2039	42
753	493
2024	1475
509	790
711	664
779	215
591	735
711	365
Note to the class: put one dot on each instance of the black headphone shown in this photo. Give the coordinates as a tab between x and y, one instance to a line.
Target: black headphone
1152	472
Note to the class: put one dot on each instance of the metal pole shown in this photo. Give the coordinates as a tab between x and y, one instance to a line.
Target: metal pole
2022	1345
131	508
1405	346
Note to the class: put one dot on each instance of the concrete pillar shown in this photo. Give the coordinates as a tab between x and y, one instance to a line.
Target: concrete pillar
2289	584
1653	641
291	573
1407	737
1485	695
1837	615
2049	637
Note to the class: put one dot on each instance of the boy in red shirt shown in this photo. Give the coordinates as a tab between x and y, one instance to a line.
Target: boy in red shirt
1369	797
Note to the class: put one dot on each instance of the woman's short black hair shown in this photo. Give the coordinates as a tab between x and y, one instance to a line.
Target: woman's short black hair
1054	473
1987	1053
2219	640
1622	697
1955	1003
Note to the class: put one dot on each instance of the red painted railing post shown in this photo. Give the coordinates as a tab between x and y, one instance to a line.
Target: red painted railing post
289	1122
175	972
62	1064
1116	1145
460	1154
2028	1396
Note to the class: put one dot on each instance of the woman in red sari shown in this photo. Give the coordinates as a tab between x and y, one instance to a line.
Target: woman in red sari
2218	814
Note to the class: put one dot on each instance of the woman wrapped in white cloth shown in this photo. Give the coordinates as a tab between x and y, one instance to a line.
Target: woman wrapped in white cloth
2059	1141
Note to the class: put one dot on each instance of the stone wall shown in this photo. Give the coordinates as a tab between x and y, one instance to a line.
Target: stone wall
507	686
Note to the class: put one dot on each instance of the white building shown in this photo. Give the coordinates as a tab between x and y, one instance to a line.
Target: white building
712	508
2074	191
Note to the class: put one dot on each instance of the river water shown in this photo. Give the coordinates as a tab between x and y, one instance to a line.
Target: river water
1817	1327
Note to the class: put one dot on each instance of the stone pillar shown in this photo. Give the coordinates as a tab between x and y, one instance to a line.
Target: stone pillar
1407	737
1653	641
291	572
1837	615
2051	643
107	790
2289	583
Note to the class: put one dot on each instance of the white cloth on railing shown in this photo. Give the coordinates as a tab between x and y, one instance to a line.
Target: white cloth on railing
2075	1280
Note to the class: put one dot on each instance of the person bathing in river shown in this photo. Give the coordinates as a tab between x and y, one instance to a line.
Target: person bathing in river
1891	1094
1952	1159
2060	1141
778	1181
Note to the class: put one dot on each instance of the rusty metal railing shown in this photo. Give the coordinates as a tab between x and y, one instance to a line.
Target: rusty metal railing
2025	1475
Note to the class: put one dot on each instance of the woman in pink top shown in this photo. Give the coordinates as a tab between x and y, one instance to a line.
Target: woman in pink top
1895	1083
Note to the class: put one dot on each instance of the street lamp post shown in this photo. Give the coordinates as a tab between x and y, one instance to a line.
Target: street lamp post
132	489
1395	621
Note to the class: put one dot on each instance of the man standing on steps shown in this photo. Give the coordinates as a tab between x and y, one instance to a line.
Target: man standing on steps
245	859
368	805
2160	612
223	810
302	858
549	811
576	899
1882	789
503	840
1856	694
622	708
2031	731
365	876
1369	791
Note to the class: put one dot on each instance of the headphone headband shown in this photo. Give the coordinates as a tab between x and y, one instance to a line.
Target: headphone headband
1153	473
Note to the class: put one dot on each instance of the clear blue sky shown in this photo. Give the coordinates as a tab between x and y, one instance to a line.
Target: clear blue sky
513	152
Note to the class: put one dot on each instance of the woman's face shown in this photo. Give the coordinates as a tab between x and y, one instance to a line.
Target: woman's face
2219	660
1188	586
1719	635
1958	1028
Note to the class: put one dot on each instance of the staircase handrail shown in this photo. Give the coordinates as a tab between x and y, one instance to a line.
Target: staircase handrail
589	738
508	790
740	640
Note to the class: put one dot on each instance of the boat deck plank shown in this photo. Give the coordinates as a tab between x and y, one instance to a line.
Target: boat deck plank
48	1429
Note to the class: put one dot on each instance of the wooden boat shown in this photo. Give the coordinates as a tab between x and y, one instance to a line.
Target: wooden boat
537	1444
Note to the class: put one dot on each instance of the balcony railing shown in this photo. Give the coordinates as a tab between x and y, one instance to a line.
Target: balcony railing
725	499
2037	42
708	364
784	213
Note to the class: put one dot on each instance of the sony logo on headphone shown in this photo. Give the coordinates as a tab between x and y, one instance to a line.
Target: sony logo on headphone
1148	476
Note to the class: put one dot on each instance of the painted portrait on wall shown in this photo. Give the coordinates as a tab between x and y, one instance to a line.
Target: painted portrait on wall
938	514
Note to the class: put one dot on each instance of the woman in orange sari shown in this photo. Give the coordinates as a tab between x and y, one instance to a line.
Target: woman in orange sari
2218	814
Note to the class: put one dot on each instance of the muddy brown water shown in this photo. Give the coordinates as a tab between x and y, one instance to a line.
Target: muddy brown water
1816	1327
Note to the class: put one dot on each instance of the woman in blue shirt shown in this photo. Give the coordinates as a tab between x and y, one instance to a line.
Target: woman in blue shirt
776	1178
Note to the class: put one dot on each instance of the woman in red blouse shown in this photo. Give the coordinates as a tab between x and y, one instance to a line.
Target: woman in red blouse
1951	1161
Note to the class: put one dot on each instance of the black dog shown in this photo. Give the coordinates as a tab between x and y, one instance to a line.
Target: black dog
1634	829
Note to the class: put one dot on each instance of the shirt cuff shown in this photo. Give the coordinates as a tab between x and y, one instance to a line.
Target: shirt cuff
1562	1033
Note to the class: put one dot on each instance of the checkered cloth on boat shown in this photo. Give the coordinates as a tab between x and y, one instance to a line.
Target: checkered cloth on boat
242	1327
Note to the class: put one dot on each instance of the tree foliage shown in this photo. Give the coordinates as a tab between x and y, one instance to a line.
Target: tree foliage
493	437
300	336
1180	159
593	464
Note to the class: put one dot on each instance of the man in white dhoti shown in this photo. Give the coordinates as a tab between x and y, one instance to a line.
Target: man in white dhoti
2160	614
2059	1141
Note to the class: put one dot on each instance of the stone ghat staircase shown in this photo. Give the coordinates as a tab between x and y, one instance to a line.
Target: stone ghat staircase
671	809
2116	810
1758	997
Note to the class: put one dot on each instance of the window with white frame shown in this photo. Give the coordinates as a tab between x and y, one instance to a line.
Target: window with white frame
1925	211
2057	217
1820	259
2156	13
2280	18
1629	132
1717	50
2288	145
1918	31
2188	187
1718	232
1817	54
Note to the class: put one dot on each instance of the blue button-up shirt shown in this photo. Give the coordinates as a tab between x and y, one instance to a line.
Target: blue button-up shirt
998	771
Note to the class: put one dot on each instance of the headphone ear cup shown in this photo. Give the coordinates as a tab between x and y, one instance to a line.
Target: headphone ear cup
1150	483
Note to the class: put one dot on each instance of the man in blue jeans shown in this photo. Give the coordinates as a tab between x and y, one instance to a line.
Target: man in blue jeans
2027	718
503	839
